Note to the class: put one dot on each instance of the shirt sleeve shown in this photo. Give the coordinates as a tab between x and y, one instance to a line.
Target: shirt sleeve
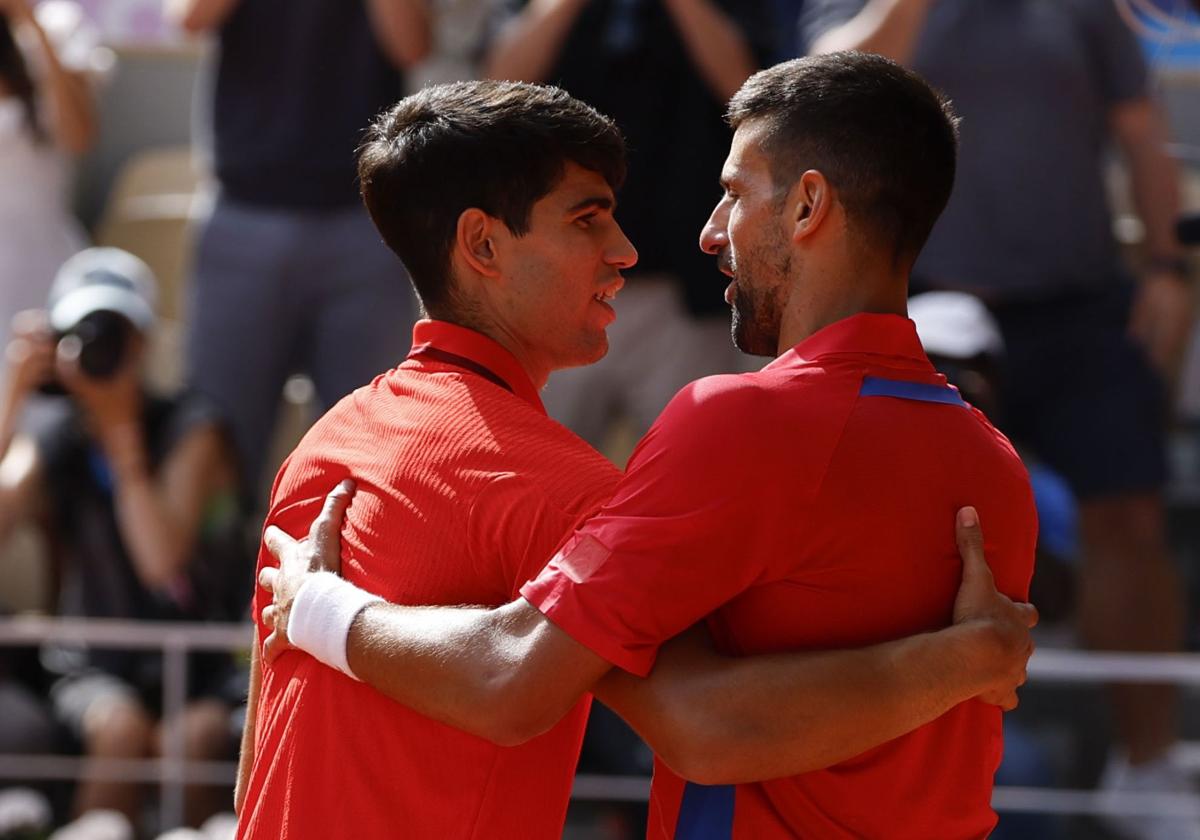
1117	57
680	537
819	16
513	527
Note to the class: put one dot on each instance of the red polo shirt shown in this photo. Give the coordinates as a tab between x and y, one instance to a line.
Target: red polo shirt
808	506
465	487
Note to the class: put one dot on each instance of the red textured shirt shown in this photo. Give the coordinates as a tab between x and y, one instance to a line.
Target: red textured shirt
465	487
808	506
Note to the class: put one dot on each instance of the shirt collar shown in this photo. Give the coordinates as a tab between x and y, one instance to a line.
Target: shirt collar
866	333
476	348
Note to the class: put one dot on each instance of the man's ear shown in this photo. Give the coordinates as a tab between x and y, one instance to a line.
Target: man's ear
474	240
812	198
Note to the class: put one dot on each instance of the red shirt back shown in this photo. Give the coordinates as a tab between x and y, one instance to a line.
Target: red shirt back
808	506
464	490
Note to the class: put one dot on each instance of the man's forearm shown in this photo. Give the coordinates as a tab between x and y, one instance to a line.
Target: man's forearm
506	674
723	720
887	27
246	756
529	45
1154	176
402	28
715	44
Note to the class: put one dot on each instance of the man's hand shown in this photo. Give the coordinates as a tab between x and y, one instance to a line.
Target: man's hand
979	602
321	551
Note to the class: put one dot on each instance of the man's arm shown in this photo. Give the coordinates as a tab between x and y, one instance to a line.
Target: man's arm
198	16
887	27
506	675
246	755
716	45
721	720
509	674
1162	315
528	46
159	515
402	29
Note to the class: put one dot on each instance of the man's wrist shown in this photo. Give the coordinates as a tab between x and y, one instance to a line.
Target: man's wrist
323	612
981	650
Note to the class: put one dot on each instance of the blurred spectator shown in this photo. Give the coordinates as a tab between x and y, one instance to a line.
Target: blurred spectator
47	56
290	273
1042	88
963	341
136	494
663	70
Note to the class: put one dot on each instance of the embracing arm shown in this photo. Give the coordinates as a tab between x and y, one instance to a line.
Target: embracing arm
503	674
719	720
508	674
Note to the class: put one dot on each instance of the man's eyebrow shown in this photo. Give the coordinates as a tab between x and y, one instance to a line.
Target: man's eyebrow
597	202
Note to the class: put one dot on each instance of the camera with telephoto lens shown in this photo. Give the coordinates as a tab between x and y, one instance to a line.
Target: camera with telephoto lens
101	340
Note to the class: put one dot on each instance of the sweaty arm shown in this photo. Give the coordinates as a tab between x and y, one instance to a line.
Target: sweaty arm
887	27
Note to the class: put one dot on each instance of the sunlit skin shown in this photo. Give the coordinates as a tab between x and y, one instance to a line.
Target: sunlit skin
547	292
759	264
796	263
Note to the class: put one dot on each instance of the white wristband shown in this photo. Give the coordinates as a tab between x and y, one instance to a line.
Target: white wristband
322	613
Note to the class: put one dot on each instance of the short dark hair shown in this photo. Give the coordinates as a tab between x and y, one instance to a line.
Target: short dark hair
498	146
884	139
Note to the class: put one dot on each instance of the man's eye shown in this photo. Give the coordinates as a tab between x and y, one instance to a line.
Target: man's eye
586	221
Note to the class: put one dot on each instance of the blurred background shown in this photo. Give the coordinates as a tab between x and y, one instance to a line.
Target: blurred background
213	140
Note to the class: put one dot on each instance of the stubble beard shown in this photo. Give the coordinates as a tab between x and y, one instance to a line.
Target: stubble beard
758	310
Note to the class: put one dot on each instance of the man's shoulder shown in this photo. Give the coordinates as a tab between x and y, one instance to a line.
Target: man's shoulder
801	393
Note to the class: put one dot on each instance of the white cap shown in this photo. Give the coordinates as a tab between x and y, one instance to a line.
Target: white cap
102	279
955	325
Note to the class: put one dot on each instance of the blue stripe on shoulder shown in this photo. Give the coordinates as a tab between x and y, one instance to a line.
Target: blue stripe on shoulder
706	813
874	386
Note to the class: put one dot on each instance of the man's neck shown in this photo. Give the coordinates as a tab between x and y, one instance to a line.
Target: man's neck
538	373
815	305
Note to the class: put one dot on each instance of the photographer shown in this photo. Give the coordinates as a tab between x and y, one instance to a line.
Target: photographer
138	497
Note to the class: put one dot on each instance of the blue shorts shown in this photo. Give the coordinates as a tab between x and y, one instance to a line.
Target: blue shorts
1081	394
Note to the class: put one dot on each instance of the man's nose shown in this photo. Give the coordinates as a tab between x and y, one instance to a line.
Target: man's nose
715	234
622	254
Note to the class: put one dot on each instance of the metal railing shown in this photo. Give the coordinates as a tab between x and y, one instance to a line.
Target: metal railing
173	770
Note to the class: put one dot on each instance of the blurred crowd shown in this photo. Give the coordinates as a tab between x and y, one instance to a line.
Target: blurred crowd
148	499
